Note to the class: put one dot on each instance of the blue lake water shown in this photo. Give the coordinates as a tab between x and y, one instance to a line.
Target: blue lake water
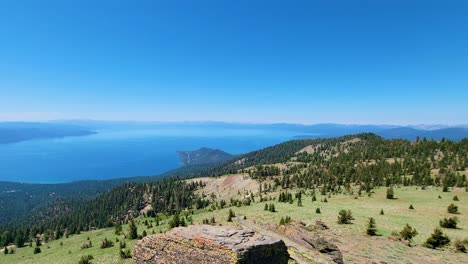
121	153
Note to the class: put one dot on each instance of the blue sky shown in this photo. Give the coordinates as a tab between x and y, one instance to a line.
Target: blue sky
394	62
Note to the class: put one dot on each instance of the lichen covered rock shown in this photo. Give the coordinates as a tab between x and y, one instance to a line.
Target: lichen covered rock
210	244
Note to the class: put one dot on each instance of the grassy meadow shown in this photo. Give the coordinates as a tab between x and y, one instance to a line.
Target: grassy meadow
428	210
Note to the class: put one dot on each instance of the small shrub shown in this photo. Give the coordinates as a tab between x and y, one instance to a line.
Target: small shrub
122	245
272	208
407	233
455	198
459	246
445	188
86	259
411	207
390	193
437	239
381	212
345	217
5	251
317	211
285	220
107	243
452	209
37	250
440	197
86	245
449	223
125	253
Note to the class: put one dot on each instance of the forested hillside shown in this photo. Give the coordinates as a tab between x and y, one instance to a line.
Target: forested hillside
115	207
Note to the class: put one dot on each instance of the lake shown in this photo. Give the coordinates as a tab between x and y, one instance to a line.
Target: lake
115	153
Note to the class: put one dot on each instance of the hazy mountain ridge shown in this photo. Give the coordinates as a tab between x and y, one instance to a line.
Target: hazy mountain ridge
11	132
410	132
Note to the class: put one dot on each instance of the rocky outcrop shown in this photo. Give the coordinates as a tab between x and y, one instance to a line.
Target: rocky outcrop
310	240
210	244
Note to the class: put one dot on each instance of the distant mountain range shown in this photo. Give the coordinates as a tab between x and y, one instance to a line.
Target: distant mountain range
20	131
11	132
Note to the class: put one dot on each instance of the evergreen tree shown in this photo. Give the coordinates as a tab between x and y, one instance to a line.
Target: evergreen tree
231	215
452	209
132	230
407	233
345	217
390	193
371	227
437	239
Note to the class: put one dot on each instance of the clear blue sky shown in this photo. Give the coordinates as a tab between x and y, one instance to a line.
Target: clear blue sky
397	62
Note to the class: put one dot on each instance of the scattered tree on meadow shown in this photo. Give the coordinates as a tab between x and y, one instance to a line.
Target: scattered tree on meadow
437	239
37	250
459	246
118	229
371	227
407	233
106	243
230	215
449	222
132	230
86	259
345	217
452	209
390	193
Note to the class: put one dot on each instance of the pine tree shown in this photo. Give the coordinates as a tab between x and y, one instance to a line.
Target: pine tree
345	217
231	215
272	208
452	209
407	233
371	227
437	239
390	194
132	230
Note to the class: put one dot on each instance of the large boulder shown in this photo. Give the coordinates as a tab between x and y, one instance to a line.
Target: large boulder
210	244
310	240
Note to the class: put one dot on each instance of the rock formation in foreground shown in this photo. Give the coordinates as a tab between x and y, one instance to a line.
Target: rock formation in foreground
210	244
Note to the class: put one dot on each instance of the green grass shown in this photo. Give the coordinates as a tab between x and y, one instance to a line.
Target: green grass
429	209
71	252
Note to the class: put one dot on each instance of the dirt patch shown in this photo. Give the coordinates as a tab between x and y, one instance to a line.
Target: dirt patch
231	186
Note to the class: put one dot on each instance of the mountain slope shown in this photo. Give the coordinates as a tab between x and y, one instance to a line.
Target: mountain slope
203	156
